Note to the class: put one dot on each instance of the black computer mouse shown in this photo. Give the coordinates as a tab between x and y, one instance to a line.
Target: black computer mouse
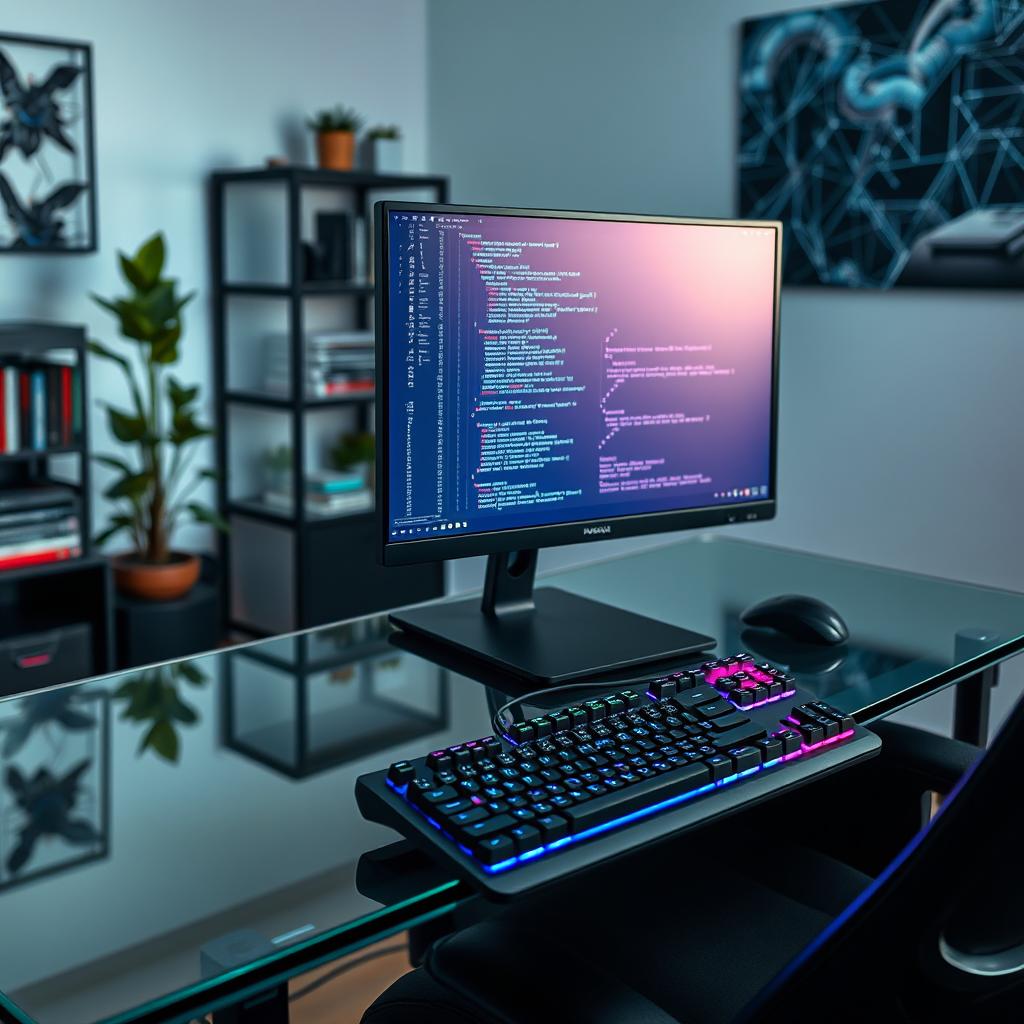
802	619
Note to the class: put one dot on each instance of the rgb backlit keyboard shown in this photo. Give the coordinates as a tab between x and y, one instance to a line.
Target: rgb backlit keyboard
575	785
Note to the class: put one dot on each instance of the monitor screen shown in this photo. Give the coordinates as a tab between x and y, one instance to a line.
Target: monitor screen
548	370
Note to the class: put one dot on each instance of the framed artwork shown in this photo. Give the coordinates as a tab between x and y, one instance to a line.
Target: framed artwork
889	139
47	157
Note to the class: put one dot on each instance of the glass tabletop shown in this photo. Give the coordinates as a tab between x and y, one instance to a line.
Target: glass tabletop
179	835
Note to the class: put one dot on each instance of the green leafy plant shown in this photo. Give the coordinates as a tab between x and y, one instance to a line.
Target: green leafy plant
337	119
154	489
152	696
352	450
384	131
278	459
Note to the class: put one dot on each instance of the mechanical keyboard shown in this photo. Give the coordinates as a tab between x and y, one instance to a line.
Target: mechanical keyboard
577	785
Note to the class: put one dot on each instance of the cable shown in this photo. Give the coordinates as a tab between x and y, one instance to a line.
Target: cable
331	975
613	685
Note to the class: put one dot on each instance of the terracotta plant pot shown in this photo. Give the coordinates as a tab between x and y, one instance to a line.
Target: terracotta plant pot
150	582
336	151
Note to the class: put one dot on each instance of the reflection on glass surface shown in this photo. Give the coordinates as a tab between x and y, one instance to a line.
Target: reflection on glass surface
253	830
153	698
54	784
302	705
827	670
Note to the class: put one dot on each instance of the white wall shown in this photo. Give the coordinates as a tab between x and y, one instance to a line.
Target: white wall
183	88
900	427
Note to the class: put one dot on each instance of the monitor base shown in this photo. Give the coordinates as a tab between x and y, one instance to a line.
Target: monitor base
555	638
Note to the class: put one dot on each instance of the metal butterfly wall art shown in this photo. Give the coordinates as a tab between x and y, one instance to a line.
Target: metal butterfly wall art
35	222
32	109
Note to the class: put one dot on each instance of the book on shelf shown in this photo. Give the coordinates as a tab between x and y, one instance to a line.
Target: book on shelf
336	363
40	405
328	481
39	524
322	504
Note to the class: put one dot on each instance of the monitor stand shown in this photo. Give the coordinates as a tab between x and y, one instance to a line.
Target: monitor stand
548	636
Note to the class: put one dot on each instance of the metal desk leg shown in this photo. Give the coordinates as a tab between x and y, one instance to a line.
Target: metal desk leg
973	698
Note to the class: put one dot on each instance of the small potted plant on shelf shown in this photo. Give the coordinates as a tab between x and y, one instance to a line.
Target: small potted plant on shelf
277	468
355	452
336	137
384	148
160	426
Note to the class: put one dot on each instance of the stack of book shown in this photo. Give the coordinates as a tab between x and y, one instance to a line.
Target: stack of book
40	405
38	524
328	494
337	363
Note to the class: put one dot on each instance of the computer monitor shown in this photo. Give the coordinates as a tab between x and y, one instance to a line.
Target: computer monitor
556	377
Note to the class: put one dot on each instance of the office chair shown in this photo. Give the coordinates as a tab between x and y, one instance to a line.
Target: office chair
830	904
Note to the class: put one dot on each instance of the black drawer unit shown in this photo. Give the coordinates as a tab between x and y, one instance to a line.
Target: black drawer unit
37	660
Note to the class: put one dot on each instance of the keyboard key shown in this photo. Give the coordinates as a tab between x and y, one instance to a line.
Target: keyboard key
770	747
719	766
542	727
525	837
618	803
439	761
811	733
439	795
690	699
661	688
552	827
729	721
401	773
522	732
480	829
466	818
716	709
454	806
745	757
739	736
830	725
495	850
742	698
789	739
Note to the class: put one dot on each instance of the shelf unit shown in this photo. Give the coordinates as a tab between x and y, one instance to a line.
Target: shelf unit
41	598
326	566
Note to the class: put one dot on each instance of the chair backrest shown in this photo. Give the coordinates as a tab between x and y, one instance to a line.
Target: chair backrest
939	936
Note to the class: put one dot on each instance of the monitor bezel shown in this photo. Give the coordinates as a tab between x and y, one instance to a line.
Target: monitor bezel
433	549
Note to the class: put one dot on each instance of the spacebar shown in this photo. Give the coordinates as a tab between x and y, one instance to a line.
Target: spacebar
620	802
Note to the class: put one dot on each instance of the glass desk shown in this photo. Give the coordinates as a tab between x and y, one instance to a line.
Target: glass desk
176	839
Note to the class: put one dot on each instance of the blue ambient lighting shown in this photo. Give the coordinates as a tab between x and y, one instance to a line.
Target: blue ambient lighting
644	812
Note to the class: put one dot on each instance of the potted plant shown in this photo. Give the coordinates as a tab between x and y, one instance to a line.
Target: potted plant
278	466
356	451
160	426
384	148
336	137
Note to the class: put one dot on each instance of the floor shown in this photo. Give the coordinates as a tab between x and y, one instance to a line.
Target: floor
326	996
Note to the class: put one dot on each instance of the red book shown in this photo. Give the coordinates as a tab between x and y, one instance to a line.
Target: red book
65	406
39	557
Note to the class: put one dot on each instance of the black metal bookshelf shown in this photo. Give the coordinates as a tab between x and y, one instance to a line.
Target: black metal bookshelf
332	572
40	601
